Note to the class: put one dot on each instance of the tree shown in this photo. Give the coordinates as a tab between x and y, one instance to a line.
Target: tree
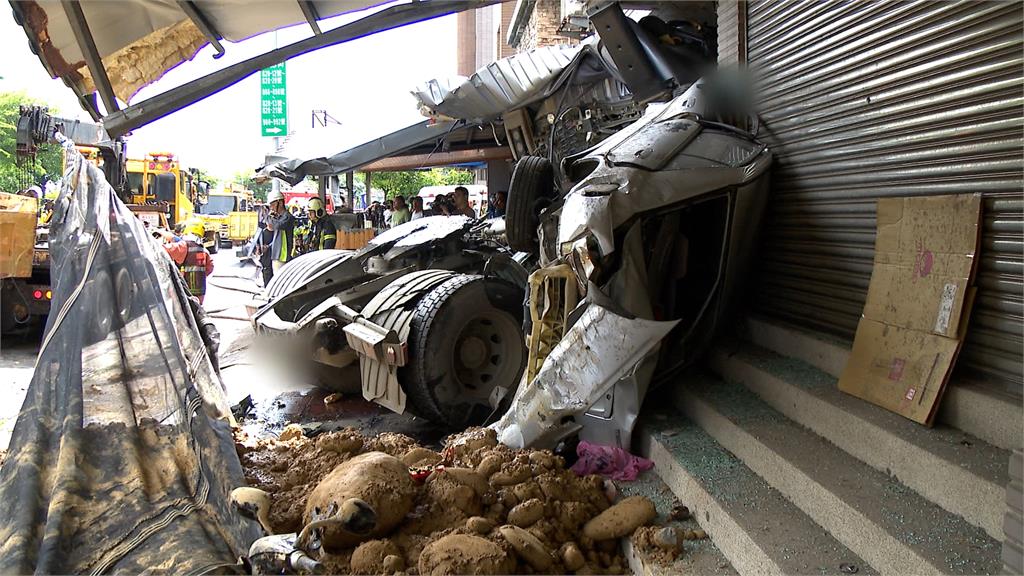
15	175
408	183
259	189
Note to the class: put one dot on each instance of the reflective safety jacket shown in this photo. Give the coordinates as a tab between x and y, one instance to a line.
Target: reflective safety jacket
196	266
322	234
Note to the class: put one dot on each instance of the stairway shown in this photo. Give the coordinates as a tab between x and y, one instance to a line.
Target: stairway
788	475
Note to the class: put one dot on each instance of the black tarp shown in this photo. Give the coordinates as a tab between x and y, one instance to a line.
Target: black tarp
122	457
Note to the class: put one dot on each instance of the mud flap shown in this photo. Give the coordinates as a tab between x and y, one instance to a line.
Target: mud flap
392	309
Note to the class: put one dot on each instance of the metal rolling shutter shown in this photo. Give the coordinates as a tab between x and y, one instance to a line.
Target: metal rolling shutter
862	100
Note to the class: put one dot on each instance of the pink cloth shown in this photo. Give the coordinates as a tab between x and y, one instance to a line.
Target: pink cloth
610	461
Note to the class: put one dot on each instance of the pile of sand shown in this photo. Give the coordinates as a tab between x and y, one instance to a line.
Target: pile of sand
477	507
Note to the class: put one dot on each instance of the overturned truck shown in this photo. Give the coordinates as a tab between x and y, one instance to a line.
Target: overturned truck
429	313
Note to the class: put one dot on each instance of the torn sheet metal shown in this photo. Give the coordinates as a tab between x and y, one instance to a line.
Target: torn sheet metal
598	351
666	158
498	87
412	235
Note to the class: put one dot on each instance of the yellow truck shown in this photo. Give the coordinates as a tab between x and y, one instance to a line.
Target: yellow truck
24	263
159	180
230	212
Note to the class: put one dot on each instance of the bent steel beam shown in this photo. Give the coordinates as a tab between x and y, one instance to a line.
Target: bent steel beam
212	36
87	44
309	11
137	115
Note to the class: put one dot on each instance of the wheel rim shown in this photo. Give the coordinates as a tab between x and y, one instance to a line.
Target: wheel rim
487	353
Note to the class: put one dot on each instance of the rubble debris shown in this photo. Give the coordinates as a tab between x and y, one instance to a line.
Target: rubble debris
464	554
528	546
291	432
254	503
369	557
621	519
332	398
243	409
477	506
679	512
697	534
379	480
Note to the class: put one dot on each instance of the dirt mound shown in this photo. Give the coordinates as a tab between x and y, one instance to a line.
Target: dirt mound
476	507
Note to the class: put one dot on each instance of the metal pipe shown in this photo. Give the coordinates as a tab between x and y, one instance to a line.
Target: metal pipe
87	44
137	115
309	11
192	11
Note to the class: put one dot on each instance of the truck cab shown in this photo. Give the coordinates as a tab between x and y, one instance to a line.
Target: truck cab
230	213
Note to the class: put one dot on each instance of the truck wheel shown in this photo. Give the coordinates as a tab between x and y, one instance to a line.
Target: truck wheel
532	181
465	341
124	291
101	311
216	244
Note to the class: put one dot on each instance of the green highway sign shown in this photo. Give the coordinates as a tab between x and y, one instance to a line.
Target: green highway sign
274	101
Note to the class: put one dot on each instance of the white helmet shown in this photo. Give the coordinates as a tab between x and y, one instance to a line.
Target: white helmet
274	196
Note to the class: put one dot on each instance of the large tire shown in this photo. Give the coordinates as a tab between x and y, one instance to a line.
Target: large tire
465	340
532	181
216	244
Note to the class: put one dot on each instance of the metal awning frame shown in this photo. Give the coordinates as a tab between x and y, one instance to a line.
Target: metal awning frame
119	122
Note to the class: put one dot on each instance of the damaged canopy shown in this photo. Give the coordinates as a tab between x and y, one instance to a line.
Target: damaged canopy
357	149
122	457
116	48
498	87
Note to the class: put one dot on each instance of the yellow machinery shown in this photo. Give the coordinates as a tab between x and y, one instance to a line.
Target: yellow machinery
158	179
230	212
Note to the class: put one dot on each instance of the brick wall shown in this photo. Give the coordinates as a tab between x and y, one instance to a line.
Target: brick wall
542	29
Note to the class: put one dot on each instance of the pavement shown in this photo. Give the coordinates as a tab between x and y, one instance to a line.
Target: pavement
280	390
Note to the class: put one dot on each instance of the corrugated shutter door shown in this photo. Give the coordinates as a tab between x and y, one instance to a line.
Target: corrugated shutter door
862	100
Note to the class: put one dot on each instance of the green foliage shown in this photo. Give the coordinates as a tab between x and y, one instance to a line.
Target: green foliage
408	183
248	179
48	163
205	176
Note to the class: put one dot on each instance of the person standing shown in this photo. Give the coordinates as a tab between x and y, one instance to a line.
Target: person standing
497	207
282	224
417	208
323	235
461	201
400	215
388	208
192	259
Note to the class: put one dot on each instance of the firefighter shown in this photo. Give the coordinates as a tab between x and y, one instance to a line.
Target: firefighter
192	259
322	233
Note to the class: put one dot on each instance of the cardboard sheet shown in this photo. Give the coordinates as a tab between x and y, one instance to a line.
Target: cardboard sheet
918	303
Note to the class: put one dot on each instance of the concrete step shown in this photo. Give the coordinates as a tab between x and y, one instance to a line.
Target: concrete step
754	526
697	557
959	472
974	407
892	527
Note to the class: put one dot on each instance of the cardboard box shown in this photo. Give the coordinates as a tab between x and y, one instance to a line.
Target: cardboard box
17	235
918	303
